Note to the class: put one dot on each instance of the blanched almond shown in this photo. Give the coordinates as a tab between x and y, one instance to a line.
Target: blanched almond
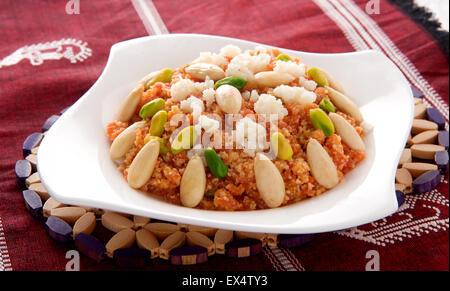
174	240
429	136
273	79
271	190
147	240
115	222
221	238
345	104
229	99
347	132
123	239
335	84
201	70
161	229
197	239
193	182
367	127
85	224
124	141
68	214
141	169
322	166
130	104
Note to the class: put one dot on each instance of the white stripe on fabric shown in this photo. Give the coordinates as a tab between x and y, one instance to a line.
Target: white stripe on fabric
286	262
381	43
408	68
156	18
145	21
150	17
275	263
5	263
352	36
294	259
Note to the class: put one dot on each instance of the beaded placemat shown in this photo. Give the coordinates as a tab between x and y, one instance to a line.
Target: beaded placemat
137	240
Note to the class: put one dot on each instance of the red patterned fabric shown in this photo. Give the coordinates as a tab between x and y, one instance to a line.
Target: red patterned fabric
33	87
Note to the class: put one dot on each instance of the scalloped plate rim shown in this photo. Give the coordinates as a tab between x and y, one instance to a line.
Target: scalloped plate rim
220	219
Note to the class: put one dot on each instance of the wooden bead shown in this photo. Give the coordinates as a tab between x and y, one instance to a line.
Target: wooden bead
85	224
243	248
123	239
188	255
68	214
90	246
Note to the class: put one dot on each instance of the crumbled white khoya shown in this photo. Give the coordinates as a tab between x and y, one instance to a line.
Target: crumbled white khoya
294	94
268	104
246	65
309	85
254	96
182	89
290	67
246	95
201	86
209	96
250	135
211	58
193	105
230	51
208	124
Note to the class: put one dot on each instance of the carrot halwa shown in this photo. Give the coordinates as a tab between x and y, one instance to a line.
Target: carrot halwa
275	132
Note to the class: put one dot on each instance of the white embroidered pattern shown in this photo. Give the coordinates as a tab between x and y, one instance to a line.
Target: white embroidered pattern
283	259
5	263
403	224
392	51
361	31
67	48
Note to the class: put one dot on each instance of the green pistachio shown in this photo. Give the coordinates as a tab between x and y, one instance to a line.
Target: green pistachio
184	140
320	120
318	76
164	76
149	109
157	123
237	82
327	106
215	164
163	148
284	58
281	146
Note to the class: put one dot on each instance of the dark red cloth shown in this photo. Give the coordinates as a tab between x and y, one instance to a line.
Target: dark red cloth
416	238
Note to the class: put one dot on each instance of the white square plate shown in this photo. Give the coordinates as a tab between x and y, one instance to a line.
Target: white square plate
75	168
